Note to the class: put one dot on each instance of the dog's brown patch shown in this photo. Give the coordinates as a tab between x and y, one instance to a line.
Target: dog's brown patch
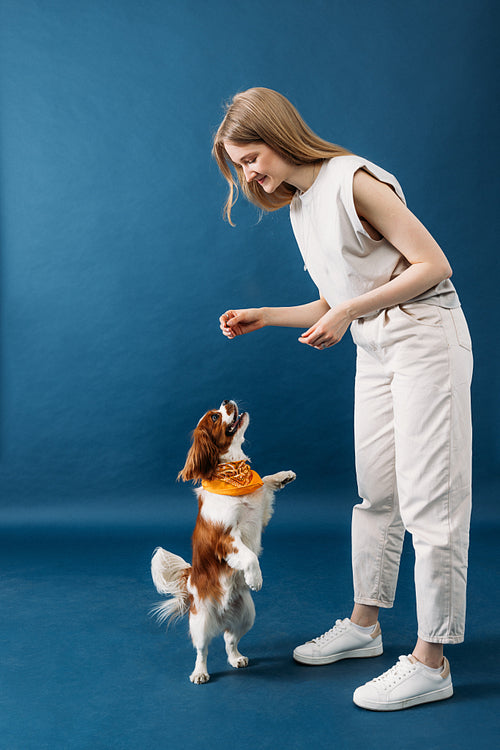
212	543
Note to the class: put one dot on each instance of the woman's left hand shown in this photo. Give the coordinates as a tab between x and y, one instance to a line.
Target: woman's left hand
328	330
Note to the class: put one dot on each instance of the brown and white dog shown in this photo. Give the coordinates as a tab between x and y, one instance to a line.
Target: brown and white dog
234	505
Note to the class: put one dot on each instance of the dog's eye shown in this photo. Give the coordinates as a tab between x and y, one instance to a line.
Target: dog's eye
215	417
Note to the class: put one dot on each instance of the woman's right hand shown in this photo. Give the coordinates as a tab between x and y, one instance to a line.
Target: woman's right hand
236	322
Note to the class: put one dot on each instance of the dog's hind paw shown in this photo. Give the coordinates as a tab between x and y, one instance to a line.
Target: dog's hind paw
239	661
198	678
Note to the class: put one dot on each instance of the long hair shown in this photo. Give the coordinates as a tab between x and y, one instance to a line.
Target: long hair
264	115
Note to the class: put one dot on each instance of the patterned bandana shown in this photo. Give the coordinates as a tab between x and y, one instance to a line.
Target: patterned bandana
233	478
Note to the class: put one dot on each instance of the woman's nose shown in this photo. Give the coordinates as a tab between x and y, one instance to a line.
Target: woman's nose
249	173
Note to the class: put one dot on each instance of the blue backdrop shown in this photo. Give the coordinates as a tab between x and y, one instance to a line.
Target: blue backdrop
115	265
115	262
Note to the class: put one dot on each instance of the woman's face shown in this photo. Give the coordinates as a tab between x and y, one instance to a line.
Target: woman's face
260	163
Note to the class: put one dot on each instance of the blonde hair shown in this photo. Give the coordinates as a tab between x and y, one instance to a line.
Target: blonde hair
263	115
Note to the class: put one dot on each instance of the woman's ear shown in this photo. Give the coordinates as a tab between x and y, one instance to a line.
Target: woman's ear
202	458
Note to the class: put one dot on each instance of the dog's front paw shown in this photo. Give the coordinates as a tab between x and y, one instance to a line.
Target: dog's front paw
278	481
198	678
253	578
289	476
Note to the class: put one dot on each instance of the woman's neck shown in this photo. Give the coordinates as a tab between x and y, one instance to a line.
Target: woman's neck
303	176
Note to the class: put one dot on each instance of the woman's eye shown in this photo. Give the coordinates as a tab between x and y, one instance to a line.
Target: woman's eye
215	417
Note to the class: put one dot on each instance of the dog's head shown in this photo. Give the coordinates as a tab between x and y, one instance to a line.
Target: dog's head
218	435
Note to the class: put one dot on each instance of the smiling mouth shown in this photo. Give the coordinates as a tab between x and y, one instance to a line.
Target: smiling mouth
235	423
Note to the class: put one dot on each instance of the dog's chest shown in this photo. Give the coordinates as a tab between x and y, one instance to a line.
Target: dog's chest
242	513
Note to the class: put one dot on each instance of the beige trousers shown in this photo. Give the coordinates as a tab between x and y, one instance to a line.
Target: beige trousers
413	461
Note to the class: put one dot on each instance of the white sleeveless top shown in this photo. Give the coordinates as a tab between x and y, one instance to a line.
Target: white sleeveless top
339	254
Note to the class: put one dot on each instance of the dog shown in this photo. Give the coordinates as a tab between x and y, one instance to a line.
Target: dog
234	506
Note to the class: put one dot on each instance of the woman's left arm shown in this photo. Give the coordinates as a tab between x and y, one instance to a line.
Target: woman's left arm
379	205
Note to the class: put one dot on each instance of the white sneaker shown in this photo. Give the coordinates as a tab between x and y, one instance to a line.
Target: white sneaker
343	641
406	684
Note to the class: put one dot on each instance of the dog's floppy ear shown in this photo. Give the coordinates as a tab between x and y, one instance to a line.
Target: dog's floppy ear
202	458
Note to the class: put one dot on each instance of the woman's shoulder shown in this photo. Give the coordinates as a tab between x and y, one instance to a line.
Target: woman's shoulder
350	163
346	166
339	168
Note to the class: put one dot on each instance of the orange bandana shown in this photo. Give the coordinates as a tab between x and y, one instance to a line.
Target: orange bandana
233	478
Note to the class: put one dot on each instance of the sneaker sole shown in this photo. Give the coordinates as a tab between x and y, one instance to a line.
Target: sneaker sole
435	695
358	653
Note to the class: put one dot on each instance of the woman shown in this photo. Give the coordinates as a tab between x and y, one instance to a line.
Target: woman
379	271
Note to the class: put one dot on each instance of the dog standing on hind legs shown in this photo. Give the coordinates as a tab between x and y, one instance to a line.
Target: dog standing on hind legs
234	506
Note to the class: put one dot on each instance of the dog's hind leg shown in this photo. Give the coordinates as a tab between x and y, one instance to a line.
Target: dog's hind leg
200	672
199	629
244	617
234	657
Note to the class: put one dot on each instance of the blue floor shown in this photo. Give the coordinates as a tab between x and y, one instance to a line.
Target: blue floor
85	668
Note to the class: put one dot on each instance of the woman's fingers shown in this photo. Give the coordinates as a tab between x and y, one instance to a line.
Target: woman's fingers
328	331
237	322
224	323
313	337
317	338
225	317
230	323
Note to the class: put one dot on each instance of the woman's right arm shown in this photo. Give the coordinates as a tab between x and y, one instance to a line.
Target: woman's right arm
237	322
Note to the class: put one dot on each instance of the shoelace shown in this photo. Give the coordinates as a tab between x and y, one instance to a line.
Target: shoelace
339	627
395	674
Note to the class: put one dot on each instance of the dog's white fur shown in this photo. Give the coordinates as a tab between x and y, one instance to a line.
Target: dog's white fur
239	519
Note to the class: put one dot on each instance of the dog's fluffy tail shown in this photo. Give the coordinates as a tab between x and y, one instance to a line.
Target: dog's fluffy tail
170	574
